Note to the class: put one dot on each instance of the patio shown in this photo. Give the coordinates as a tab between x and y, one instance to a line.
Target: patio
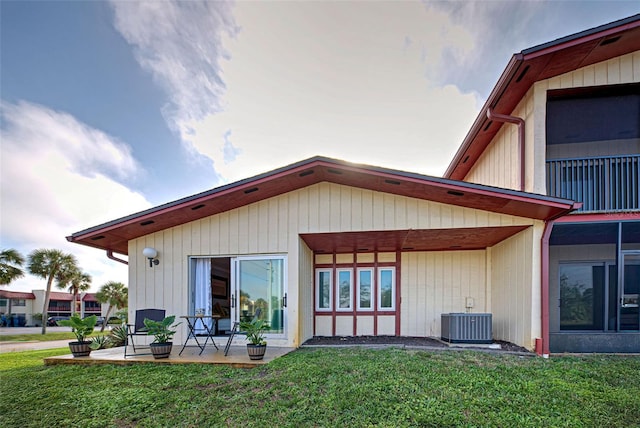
237	357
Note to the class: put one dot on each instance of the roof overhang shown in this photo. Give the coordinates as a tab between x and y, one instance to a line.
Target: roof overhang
115	235
468	238
6	294
539	63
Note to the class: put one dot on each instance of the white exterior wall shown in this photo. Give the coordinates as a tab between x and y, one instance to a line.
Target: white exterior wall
434	283
499	164
516	287
273	226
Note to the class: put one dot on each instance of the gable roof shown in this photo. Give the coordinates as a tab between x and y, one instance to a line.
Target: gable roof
538	63
114	235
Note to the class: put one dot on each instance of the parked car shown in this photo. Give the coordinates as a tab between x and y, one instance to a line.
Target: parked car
99	321
53	321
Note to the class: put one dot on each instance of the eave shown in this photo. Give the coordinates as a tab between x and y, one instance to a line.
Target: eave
115	235
539	63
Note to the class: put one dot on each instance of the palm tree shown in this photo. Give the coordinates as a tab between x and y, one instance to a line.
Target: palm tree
10	262
50	265
115	294
78	282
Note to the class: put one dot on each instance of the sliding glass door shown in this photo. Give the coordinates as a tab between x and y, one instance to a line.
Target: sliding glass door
258	287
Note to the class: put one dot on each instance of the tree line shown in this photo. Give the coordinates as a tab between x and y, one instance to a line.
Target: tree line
60	268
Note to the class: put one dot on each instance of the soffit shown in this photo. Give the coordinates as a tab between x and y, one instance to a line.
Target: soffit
473	238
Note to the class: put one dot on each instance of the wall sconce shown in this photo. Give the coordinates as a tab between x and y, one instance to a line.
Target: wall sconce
151	254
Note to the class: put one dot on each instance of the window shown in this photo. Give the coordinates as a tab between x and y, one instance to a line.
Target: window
386	289
18	302
3	302
365	295
324	293
344	289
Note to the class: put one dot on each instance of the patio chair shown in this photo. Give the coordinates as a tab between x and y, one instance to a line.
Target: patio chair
236	330
139	329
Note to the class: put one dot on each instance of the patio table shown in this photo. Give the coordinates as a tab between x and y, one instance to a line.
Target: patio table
192	322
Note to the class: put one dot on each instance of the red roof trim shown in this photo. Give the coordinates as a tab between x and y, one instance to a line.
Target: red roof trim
6	294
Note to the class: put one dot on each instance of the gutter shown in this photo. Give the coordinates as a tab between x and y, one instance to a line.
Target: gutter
112	257
491	115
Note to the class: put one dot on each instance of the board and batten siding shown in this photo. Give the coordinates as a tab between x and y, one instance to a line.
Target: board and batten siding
516	293
438	282
499	164
273	226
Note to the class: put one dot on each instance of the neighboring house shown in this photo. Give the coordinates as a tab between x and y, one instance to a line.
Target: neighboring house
18	306
328	248
23	306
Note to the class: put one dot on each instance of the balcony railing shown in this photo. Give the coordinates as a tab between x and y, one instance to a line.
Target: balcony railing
602	184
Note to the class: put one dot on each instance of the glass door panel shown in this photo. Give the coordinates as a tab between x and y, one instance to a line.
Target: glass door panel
260	288
630	300
581	297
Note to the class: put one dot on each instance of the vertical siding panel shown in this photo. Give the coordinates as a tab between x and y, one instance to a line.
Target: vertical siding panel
195	238
367	210
356	209
389	210
601	73
224	233
324	207
263	227
334	213
314	209
345	209
283	223
205	235
636	66
273	225
179	268
378	210
589	74
253	228
400	213
566	81
303	210
613	71
626	69
243	230
412	213
577	78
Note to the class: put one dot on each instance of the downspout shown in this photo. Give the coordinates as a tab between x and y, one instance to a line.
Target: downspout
112	257
542	349
491	115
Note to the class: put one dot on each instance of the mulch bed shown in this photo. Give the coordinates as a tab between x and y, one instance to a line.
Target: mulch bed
395	340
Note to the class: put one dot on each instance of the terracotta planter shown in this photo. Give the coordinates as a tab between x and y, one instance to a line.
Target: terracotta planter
256	352
161	350
80	349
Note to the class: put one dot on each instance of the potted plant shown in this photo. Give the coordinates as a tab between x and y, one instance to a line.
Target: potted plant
162	333
254	330
81	328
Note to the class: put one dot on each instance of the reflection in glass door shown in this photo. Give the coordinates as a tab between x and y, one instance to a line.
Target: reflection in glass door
582	296
630	295
259	286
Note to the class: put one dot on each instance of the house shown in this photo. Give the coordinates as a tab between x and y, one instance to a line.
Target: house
16	307
328	248
26	308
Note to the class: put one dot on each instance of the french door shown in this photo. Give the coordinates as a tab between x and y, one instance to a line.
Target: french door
258	286
630	291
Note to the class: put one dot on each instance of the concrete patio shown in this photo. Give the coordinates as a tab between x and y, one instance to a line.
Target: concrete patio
237	357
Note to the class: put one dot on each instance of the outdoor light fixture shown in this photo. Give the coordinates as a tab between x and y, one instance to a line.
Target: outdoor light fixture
151	254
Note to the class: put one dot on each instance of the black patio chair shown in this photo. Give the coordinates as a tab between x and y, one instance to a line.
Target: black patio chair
139	329
236	330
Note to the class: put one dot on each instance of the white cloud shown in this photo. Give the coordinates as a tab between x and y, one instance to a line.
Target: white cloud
60	176
351	80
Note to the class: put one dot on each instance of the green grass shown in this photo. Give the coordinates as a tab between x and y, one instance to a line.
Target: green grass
56	335
330	387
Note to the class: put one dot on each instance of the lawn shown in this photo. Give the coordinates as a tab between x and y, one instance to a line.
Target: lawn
328	387
30	337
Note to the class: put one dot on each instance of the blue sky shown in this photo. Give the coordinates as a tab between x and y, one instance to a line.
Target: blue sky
108	108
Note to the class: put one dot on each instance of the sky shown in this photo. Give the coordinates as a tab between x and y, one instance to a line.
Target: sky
109	108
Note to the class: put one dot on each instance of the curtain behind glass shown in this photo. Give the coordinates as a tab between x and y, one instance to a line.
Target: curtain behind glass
203	291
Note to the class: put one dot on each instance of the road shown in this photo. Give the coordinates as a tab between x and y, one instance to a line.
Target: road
32	346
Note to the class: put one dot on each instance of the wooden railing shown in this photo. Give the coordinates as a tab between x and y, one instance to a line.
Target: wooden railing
602	184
